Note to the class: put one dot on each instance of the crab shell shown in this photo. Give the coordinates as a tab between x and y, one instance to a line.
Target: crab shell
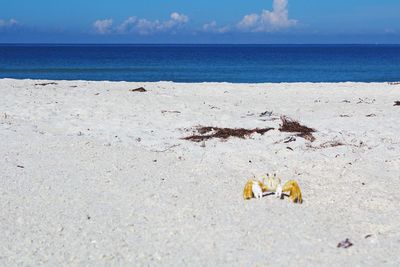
294	191
271	183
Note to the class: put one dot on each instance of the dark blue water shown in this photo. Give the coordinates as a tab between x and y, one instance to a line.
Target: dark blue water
199	63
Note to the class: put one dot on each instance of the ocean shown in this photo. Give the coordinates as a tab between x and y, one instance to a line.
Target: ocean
203	63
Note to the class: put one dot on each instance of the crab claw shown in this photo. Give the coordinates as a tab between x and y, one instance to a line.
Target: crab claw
278	192
248	190
254	189
257	190
294	191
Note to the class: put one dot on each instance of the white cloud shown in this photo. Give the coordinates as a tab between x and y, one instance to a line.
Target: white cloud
8	23
148	27
268	21
249	21
213	27
126	25
103	26
179	18
143	26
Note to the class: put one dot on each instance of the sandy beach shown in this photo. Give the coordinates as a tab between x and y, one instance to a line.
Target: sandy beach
94	174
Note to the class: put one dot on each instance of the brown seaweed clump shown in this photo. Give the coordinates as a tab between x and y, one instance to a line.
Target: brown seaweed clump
291	126
206	133
396	103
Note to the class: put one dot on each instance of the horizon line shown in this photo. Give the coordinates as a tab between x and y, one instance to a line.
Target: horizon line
170	44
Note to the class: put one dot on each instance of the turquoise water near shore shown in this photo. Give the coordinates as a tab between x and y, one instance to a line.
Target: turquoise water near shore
203	63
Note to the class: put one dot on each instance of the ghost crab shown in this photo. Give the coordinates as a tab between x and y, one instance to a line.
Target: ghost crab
256	188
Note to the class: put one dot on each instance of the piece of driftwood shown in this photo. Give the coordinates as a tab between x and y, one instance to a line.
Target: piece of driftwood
140	90
44	84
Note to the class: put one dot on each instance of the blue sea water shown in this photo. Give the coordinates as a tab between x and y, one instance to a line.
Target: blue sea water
200	63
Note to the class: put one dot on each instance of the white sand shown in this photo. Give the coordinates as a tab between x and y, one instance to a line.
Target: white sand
107	179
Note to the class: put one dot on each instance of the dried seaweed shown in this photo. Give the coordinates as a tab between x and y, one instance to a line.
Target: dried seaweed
394	83
291	126
140	90
396	103
206	133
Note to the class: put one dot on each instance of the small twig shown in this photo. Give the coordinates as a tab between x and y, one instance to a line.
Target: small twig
170	111
327	145
365	101
164	150
345	244
266	114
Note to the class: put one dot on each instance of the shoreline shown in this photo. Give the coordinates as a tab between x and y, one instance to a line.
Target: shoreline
189	83
94	173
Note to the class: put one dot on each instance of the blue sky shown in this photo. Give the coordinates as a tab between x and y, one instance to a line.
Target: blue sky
205	21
